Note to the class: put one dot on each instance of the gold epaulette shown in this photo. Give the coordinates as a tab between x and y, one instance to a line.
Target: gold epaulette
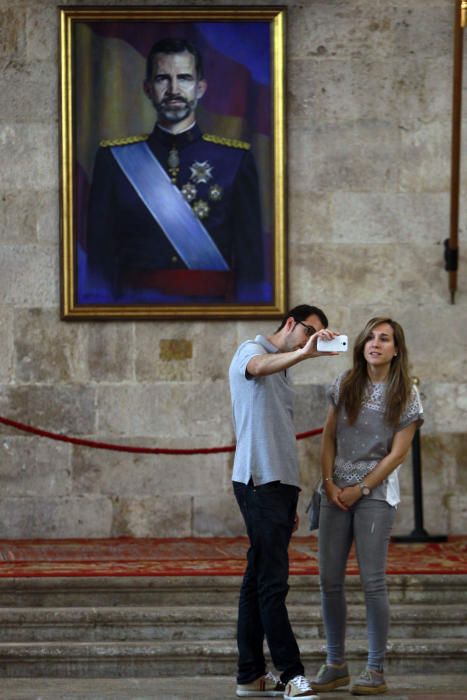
124	141
234	143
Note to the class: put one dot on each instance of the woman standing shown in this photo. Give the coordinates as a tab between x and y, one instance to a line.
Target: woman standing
373	414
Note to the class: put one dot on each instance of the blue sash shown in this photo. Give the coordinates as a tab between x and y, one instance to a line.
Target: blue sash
168	207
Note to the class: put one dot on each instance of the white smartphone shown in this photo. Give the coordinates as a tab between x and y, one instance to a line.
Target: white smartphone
338	344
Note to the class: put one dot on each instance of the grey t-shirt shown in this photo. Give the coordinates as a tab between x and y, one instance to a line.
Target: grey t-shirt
262	410
359	447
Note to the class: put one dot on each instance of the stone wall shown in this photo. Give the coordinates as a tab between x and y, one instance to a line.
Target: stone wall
369	124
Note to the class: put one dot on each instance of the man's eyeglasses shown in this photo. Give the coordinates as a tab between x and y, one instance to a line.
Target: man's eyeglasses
309	330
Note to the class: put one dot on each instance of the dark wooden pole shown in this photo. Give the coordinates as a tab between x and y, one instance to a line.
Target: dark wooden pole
451	243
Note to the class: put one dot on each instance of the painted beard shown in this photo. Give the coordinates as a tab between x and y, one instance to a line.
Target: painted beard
175	114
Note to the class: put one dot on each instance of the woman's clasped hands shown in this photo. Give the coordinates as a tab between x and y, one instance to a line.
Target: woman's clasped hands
343	498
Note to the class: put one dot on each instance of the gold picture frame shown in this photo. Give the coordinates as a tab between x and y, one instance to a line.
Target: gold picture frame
225	189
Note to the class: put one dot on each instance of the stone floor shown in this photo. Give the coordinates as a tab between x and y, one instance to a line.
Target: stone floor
205	688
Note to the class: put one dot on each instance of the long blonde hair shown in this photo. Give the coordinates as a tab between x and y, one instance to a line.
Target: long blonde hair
398	385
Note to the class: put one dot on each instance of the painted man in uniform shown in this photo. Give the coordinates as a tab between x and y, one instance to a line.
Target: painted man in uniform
200	240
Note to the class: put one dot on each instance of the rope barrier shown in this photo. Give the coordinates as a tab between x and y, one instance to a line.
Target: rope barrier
129	448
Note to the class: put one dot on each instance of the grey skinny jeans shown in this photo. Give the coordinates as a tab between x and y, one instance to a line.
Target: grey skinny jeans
368	523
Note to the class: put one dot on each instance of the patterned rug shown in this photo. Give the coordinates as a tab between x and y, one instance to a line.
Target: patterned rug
203	556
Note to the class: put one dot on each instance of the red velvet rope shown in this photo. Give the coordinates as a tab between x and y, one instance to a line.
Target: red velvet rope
127	448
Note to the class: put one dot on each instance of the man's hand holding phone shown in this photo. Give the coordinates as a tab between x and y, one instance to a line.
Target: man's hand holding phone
325	335
340	343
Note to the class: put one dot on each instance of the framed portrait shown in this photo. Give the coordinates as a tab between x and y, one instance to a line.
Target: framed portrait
172	162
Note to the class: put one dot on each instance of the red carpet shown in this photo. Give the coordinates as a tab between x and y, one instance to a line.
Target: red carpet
216	556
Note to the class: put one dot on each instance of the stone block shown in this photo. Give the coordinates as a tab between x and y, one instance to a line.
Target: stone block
31	466
447	404
18	222
7	354
29	276
47	350
463	183
29	89
31	154
322	371
346	156
153	516
356	90
41	28
462	189
443	458
303	87
439	364
310	469
167	410
65	409
43	517
214	351
208	359
29	217
310	216
423	87
425	157
399	218
413	30
152	359
246	330
111	352
310	406
47	216
435	516
457	513
339	29
343	274
125	474
217	515
12	33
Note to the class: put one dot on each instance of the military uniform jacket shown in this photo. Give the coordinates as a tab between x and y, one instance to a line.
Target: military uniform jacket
218	177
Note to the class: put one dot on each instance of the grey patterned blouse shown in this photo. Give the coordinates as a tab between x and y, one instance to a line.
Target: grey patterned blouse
361	446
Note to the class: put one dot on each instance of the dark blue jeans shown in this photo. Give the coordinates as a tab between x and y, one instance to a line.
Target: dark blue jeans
269	513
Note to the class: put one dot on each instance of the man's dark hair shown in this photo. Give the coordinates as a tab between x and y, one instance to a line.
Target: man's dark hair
169	46
301	312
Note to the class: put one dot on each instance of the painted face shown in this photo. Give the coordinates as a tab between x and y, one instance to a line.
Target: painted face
380	348
174	88
301	331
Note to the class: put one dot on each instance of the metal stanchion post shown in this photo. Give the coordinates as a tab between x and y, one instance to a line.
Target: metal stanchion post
418	534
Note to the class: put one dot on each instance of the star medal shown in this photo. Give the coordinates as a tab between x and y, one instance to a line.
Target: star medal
201	172
189	191
201	209
215	193
173	162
